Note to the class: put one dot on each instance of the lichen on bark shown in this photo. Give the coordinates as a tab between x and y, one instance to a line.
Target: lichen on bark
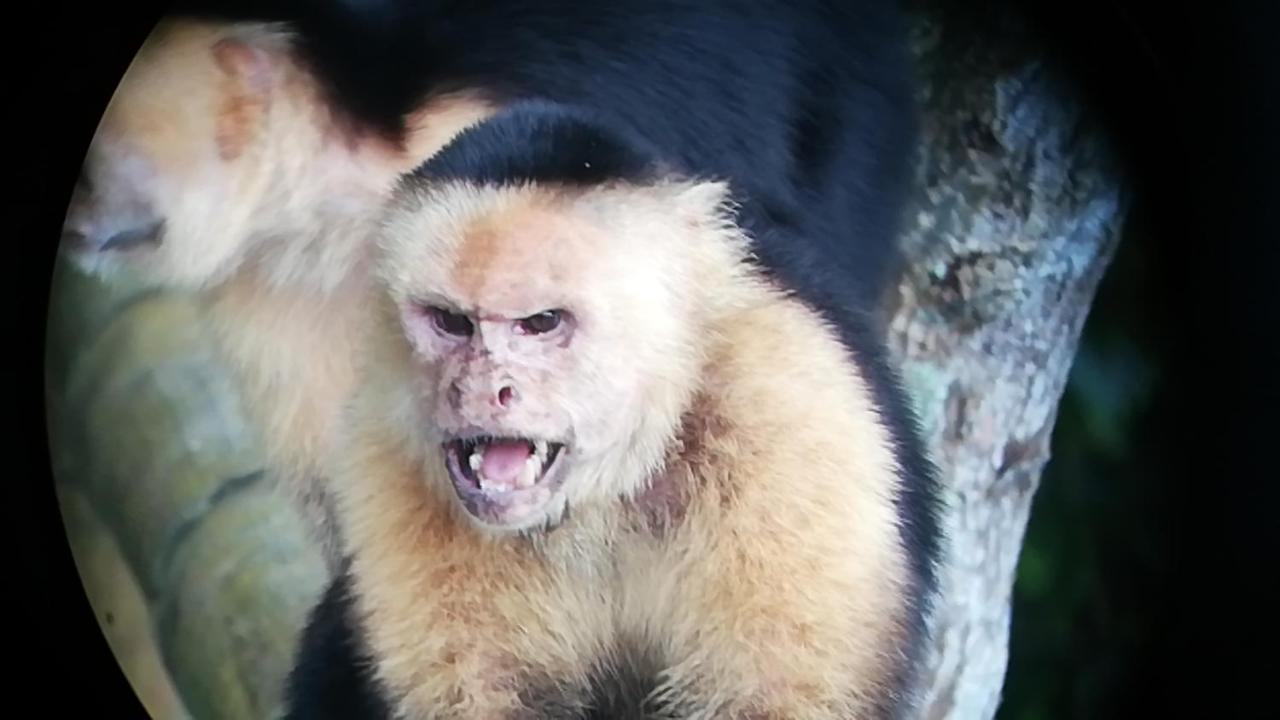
1019	208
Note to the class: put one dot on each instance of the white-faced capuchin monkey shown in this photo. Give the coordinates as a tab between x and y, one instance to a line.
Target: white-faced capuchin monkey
612	455
251	143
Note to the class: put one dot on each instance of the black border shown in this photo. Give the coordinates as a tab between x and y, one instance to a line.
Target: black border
1219	61
66	64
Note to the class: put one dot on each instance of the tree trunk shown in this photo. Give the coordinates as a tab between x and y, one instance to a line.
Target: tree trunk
1019	211
145	427
1017	217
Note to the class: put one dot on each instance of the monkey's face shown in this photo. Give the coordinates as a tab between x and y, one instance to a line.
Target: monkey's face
500	403
549	351
167	185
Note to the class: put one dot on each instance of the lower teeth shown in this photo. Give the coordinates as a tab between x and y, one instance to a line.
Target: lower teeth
526	478
529	474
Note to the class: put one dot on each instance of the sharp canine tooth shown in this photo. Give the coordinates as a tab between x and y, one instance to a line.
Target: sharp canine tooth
475	461
529	473
540	449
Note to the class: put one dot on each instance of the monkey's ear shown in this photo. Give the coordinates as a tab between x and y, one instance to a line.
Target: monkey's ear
249	75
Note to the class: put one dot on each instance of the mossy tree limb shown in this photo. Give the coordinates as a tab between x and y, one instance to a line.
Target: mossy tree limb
147	427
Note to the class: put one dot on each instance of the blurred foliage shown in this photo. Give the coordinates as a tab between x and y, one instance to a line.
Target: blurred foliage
1086	599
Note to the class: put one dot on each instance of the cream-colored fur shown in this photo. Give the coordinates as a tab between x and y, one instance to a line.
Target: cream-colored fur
270	202
766	569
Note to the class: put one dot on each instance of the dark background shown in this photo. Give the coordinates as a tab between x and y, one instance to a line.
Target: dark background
1102	543
1138	588
1144	585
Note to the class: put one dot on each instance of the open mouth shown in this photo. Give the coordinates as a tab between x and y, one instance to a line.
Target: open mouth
503	479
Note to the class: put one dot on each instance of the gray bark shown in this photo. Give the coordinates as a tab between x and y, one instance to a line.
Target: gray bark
1019	211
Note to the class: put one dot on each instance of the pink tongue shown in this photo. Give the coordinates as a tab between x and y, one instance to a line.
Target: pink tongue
504	460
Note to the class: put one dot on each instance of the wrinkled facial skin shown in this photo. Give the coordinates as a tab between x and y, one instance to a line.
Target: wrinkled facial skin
165	188
499	384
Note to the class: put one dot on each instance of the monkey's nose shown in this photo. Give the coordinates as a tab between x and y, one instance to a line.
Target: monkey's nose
480	397
506	395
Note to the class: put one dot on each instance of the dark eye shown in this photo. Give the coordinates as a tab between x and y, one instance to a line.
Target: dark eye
543	322
452	323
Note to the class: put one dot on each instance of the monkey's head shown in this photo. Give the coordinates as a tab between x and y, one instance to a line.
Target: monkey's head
221	145
172	177
551	337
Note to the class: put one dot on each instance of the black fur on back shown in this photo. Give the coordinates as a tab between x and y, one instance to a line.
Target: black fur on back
544	142
805	102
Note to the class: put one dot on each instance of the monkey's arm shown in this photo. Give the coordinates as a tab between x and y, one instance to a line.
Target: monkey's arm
800	600
331	678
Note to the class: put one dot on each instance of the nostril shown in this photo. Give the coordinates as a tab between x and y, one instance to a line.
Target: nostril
506	395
